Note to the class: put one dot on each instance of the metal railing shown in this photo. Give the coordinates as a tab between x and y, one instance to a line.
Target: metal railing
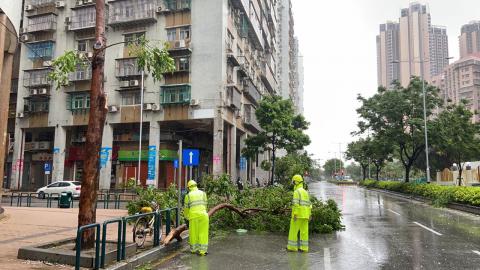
78	244
104	240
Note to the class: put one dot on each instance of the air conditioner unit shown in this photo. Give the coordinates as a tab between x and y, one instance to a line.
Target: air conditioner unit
134	83
159	9
194	102
24	38
155	107
59	4
88	1
47	63
147	107
29	7
34	92
79	2
20	115
124	84
181	43
89	54
23	30
112	108
42	91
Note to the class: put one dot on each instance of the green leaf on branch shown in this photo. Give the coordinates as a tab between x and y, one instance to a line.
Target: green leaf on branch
63	65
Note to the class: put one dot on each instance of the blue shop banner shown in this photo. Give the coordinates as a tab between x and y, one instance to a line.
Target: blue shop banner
152	156
104	156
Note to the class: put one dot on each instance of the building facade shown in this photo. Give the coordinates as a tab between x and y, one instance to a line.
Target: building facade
225	63
10	15
416	47
470	39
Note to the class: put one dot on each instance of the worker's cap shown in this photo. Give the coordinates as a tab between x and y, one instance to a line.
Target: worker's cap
297	178
191	183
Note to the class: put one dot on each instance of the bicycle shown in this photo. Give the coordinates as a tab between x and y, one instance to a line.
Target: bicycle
144	226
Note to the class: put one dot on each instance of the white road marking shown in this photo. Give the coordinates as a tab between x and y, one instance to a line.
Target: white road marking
428	229
326	259
396	213
476	252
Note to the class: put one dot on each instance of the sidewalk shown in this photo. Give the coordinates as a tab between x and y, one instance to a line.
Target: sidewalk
24	226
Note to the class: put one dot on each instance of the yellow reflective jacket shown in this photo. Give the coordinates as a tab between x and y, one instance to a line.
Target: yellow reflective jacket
195	204
301	206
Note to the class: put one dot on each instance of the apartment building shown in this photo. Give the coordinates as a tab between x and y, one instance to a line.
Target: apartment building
470	39
10	15
226	56
411	47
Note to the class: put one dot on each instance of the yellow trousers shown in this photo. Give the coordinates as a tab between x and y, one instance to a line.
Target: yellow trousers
299	226
198	238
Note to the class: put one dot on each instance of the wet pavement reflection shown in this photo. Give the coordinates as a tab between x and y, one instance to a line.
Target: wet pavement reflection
382	232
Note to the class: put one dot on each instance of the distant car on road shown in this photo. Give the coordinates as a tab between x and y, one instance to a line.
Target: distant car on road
54	189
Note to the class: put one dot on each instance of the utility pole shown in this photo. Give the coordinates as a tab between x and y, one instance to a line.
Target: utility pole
141	130
180	149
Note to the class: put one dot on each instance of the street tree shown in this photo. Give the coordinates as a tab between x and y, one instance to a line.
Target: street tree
358	151
397	116
332	166
457	135
380	151
281	129
152	59
291	164
354	170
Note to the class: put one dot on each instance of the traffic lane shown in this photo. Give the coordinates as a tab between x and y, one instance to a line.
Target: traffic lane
384	227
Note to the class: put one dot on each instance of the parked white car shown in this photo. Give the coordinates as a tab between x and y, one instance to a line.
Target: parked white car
54	189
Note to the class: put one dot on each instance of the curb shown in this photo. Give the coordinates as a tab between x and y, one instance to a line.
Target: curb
455	206
148	256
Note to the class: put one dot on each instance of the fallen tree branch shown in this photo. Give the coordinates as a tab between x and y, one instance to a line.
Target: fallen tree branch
175	233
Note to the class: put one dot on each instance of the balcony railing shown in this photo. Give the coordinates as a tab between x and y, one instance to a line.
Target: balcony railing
36	106
132	11
234	97
251	91
174	5
127	67
37	146
81	74
42	23
82	23
41	50
36	78
40	2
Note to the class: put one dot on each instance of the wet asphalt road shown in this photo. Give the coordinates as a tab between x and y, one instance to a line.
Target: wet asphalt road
382	232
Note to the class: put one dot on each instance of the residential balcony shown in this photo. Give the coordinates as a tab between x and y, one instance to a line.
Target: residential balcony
43	23
81	74
179	45
250	91
250	119
233	97
174	94
43	50
14	86
243	5
127	68
36	106
268	77
36	78
78	23
37	146
128	12
176	5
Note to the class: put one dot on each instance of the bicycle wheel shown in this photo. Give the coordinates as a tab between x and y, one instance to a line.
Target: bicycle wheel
140	231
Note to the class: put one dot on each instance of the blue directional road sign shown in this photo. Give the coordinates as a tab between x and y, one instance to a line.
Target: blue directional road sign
191	157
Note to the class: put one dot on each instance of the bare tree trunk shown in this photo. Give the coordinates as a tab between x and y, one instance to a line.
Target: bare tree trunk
96	122
273	164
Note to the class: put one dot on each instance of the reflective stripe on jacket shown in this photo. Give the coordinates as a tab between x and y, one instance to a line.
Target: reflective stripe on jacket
301	205
195	203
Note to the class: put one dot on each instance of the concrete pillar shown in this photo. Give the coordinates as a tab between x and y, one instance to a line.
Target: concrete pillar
154	140
59	154
217	146
106	171
17	162
233	152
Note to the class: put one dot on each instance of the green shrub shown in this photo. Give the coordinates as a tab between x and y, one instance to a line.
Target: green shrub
439	195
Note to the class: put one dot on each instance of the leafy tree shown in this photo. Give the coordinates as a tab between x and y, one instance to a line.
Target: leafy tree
291	164
281	129
153	59
397	116
332	166
380	150
354	170
358	151
457	135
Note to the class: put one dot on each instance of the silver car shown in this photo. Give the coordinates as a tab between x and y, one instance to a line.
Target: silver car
54	189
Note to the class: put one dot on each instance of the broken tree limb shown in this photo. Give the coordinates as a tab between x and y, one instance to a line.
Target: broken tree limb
175	233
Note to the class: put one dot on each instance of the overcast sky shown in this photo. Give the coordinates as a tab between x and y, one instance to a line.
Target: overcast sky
337	39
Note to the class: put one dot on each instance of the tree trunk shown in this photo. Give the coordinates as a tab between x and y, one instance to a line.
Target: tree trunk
460	170
407	173
364	172
175	233
96	122
273	164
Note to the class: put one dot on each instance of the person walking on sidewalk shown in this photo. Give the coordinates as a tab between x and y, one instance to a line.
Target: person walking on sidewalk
195	211
301	212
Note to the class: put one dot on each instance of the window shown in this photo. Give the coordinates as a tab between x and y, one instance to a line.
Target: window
129	99
183	64
133	38
172	34
176	94
53	185
85	45
64	184
80	102
185	32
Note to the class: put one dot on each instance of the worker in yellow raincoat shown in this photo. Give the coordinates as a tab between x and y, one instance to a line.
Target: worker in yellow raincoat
301	212
195	211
